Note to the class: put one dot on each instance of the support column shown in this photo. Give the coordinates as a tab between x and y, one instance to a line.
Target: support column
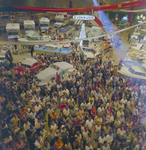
70	6
130	17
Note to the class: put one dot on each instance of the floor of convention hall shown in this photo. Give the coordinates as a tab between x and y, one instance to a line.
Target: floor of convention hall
118	53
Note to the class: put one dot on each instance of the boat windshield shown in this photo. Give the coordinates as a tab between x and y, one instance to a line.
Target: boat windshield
88	50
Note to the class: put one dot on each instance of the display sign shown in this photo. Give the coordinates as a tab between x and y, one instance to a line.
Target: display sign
83	17
12	17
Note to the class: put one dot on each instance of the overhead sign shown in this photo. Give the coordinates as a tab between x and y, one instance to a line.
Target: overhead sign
83	17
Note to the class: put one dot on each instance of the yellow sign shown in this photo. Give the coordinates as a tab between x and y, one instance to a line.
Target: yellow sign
120	5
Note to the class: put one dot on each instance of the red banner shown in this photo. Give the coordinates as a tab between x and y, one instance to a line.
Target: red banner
127	4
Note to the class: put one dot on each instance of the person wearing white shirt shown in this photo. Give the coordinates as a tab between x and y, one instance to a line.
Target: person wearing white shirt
38	99
90	123
105	146
29	91
110	118
38	143
60	93
23	94
101	139
37	107
121	131
59	86
38	90
70	101
54	126
134	93
66	91
120	113
43	102
104	99
138	146
66	112
109	138
116	105
89	105
124	100
142	87
47	97
53	83
32	116
55	98
135	111
63	99
128	88
38	123
100	109
49	87
121	105
33	87
50	110
89	146
84	105
26	125
73	78
142	91
85	133
93	92
31	100
98	127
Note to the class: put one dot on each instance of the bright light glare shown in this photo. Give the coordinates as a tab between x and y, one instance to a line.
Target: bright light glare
108	26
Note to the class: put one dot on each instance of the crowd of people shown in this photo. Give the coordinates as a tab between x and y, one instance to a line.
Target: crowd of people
93	108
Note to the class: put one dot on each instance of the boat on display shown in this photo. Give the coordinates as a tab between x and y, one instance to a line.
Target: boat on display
67	30
54	48
133	72
34	36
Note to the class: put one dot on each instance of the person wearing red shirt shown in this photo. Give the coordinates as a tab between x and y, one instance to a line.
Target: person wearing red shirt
62	106
93	111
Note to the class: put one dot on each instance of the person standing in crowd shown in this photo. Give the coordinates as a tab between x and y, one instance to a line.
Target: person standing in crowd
31	50
9	57
129	37
93	108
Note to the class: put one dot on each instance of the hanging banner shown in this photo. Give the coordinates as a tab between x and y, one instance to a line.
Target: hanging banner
127	4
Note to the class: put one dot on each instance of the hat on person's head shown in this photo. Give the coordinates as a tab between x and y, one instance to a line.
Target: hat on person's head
62	126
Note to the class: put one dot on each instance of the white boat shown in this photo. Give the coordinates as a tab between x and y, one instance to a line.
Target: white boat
134	56
134	72
33	36
138	48
29	25
13	30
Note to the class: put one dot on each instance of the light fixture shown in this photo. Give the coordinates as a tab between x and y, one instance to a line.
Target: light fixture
116	18
141	16
138	17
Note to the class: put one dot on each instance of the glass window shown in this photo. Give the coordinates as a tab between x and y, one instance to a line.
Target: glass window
29	28
27	66
88	50
61	74
13	33
44	25
38	80
2	58
66	73
55	67
51	48
131	70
